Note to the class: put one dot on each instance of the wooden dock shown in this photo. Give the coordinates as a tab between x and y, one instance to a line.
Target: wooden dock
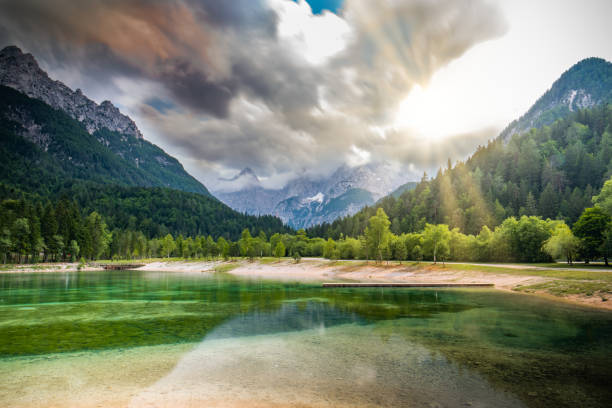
121	267
405	285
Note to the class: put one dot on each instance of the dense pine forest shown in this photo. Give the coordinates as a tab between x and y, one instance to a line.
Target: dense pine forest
551	172
50	161
37	230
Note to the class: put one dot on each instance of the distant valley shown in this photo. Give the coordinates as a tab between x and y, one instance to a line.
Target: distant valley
305	202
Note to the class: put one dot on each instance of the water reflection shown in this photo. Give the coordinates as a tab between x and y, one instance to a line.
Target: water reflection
318	356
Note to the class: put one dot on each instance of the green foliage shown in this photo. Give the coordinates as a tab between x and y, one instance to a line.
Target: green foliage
329	249
74	250
604	199
377	234
295	254
436	241
168	245
551	172
279	250
592	228
562	244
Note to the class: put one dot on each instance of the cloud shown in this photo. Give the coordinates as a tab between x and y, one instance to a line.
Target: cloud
264	84
428	154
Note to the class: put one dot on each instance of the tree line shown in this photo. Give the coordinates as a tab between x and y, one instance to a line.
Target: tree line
33	232
524	239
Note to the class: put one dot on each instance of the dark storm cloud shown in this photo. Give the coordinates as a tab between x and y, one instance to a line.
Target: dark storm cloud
195	88
180	44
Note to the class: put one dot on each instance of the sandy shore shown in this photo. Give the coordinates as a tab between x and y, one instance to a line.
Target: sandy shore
48	267
502	276
321	270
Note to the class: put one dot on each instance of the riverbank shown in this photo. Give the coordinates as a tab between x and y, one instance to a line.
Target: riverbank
581	285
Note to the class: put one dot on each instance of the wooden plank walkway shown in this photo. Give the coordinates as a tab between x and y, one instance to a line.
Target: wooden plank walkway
120	267
405	285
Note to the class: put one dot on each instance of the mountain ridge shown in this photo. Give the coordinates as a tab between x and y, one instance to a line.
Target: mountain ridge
100	131
305	201
584	85
21	71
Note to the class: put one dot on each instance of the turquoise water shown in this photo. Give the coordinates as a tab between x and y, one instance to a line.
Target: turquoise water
225	339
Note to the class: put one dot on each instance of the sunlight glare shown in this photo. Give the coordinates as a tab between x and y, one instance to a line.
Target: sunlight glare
440	110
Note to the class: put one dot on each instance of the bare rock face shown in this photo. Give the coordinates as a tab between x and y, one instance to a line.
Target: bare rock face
21	72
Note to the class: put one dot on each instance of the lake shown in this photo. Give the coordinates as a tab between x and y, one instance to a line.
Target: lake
143	339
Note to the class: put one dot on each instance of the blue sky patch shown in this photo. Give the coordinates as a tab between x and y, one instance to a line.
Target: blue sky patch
318	6
160	105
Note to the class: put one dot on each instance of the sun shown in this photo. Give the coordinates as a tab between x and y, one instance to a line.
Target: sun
438	111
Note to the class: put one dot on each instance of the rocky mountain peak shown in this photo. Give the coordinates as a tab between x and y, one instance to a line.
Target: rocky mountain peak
584	85
247	172
246	179
21	72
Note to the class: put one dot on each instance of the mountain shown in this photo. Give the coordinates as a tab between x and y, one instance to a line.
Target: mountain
246	179
305	201
411	185
48	153
551	171
21	72
89	141
586	84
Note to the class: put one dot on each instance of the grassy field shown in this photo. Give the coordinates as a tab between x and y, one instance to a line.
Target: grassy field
563	288
226	267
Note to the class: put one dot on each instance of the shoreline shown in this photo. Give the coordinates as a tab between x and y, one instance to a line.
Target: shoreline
534	280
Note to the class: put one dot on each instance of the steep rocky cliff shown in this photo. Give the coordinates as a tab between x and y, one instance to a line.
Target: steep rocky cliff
88	141
21	72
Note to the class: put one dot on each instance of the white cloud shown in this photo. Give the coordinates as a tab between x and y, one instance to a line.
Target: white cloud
315	38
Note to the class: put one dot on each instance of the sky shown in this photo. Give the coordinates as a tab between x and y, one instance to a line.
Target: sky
291	88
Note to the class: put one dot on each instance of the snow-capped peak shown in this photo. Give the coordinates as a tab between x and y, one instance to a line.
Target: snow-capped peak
319	197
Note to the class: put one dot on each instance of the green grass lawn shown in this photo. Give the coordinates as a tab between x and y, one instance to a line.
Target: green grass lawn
570	287
549	273
226	267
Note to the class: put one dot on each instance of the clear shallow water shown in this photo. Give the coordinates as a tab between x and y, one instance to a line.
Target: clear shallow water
191	338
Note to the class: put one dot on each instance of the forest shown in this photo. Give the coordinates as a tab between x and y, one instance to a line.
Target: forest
31	233
528	200
550	172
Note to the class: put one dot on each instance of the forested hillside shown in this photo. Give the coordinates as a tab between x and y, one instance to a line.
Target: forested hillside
43	147
49	157
552	172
